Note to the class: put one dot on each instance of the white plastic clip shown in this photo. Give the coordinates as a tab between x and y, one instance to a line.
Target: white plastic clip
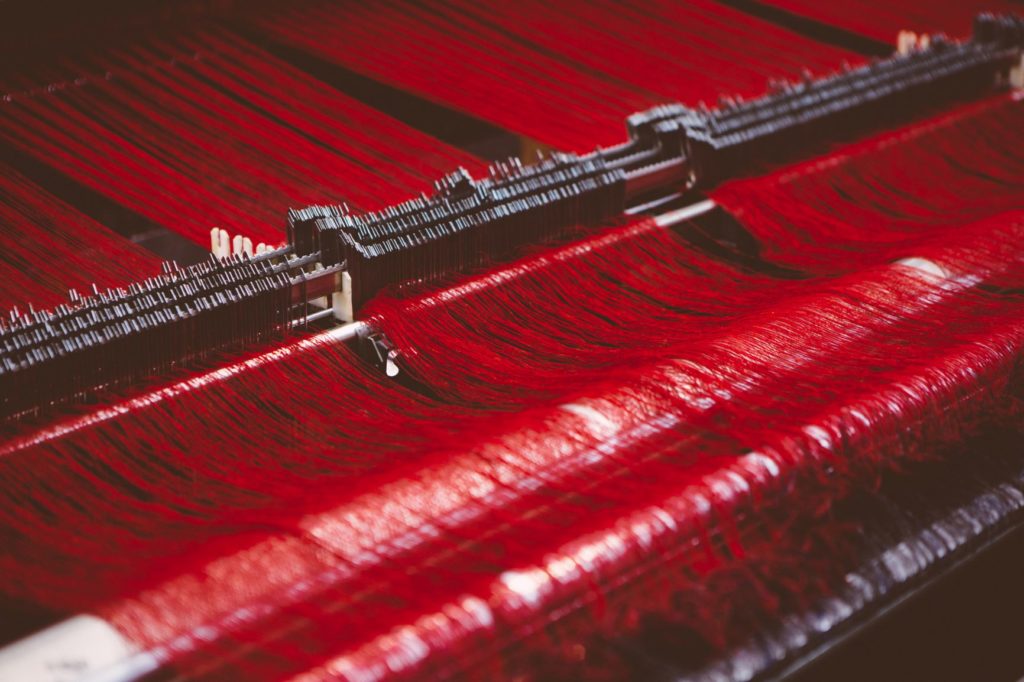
225	245
390	366
341	301
1017	74
925	267
906	41
77	648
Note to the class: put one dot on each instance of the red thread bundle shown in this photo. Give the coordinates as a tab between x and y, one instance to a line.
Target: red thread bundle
207	130
49	248
617	307
585	507
566	74
873	199
537	327
451	521
883	21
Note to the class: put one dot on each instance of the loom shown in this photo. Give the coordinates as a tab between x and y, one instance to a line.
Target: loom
671	150
368	283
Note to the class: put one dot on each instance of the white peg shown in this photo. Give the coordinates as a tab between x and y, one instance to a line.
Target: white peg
225	244
906	41
341	301
1017	74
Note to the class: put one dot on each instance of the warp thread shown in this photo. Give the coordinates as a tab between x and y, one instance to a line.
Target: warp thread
632	489
827	386
49	248
883	21
531	70
825	214
207	130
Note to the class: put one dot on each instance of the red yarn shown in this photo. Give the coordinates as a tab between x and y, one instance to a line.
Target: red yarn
528	330
876	198
320	519
207	130
564	74
209	462
636	291
883	21
614	428
584	508
49	248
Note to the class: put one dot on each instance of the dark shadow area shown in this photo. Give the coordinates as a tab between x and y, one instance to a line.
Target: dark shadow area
163	242
811	28
469	133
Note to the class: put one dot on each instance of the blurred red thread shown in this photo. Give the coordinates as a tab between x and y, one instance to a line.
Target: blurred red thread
887	192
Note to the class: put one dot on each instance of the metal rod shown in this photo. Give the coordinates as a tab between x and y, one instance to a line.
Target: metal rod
681	215
313	317
649	206
666	174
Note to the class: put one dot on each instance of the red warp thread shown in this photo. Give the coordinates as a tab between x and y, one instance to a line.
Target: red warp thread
483	343
534	69
318	518
883	20
536	328
207	130
589	507
874	199
49	248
